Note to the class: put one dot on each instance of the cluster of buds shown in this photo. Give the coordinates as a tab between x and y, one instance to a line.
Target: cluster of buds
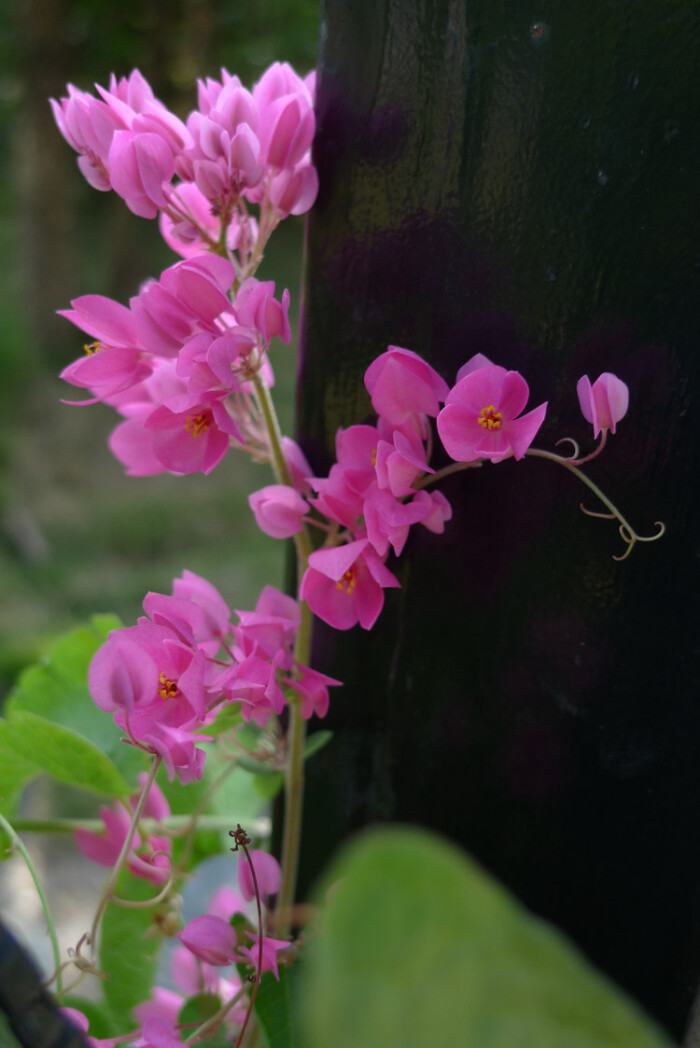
239	147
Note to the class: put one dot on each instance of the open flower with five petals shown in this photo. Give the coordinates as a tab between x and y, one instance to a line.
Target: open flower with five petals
481	418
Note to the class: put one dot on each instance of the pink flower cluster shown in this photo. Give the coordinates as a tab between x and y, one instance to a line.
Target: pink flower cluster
181	361
376	491
178	362
215	942
209	942
239	146
165	678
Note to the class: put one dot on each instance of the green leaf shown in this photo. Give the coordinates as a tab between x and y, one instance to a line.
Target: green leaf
15	772
275	1008
126	954
56	689
63	753
102	1023
196	1011
420	947
254	767
268	786
226	719
316	742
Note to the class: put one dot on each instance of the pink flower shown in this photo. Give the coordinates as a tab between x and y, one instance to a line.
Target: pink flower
104	848
604	403
298	466
267	873
280	79
345	585
439	511
157	1033
187	234
257	308
145	665
479	420
399	461
176	745
270	949
279	510
140	165
271	629
312	689
81	1022
402	386
165	1005
210	938
191	435
389	519
286	130
293	192
253	683
88	125
149	859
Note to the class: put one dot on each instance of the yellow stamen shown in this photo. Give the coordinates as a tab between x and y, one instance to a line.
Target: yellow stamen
347	581
197	424
374	458
489	418
168	688
92	347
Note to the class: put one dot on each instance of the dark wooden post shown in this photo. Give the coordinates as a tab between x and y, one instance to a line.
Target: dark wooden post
521	179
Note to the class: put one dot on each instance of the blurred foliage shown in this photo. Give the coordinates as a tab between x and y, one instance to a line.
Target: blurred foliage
75	535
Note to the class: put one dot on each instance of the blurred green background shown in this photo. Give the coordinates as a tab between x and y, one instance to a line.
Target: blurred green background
76	536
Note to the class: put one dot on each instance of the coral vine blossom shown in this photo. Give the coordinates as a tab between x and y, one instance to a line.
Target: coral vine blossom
480	417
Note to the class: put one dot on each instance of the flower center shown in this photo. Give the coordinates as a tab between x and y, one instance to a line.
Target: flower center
197	424
92	347
347	581
489	418
168	688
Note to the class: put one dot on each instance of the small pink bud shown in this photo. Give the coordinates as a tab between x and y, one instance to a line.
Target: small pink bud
267	873
604	403
210	938
278	510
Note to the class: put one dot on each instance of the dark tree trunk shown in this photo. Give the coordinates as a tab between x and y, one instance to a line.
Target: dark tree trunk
521	180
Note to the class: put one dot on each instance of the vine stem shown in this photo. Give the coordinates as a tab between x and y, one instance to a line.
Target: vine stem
294	773
123	854
175	824
568	464
455	467
18	843
627	532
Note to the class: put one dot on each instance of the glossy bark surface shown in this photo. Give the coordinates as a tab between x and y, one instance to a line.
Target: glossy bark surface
521	179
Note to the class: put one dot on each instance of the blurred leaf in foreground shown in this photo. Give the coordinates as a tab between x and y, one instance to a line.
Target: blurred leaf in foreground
420	947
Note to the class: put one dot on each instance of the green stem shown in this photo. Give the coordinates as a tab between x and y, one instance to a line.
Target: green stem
215	1020
627	532
552	457
434	478
123	854
17	843
293	807
294	774
278	461
174	823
